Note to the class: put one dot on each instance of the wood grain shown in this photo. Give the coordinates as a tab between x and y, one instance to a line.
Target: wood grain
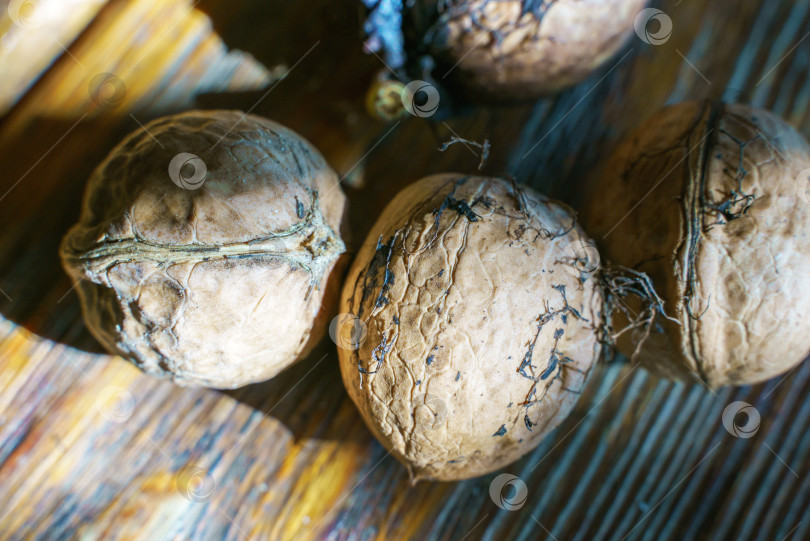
92	449
38	31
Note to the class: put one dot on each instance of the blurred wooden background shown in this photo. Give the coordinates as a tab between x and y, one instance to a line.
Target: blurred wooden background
92	449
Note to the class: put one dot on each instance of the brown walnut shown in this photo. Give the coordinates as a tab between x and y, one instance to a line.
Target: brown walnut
478	317
704	199
511	50
204	248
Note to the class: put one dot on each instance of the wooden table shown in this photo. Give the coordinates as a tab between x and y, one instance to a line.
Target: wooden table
92	449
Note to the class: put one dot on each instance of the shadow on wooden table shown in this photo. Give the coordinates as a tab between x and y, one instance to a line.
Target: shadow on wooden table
46	166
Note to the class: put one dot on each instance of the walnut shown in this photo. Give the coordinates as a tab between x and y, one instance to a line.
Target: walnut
204	248
480	315
700	204
512	50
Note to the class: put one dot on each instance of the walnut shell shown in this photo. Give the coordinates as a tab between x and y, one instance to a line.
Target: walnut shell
506	51
204	248
703	199
478	326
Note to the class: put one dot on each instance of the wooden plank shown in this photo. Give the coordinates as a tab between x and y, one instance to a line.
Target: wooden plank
92	449
38	31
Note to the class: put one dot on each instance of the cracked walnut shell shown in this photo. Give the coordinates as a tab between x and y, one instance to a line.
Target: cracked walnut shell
709	195
478	326
205	246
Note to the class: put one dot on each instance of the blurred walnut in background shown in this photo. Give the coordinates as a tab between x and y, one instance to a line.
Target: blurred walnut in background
503	50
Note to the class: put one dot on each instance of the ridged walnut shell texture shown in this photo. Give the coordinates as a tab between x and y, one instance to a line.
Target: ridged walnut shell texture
478	327
504	51
704	198
220	285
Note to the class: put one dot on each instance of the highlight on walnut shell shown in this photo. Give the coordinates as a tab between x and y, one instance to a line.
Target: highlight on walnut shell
479	308
507	50
702	205
205	248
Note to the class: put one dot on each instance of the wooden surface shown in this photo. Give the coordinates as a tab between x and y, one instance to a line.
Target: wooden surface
92	449
37	31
